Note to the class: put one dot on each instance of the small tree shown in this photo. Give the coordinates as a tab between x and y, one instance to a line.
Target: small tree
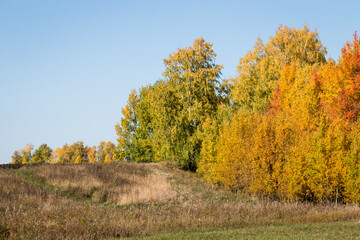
26	153
42	154
16	157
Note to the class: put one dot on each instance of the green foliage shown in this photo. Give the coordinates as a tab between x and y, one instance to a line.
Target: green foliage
164	121
106	152
16	157
189	94
135	129
42	154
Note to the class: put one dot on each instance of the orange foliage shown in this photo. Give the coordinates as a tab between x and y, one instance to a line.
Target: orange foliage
306	146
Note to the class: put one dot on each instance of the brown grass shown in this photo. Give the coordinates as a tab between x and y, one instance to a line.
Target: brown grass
111	183
85	202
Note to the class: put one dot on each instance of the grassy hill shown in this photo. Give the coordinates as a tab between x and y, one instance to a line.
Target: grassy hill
154	200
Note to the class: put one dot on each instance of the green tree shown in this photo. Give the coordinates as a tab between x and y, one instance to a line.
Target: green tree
16	157
135	129
165	106
42	154
77	152
125	130
191	92
106	152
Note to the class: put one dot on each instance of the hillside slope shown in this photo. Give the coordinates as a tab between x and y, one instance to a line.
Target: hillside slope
130	199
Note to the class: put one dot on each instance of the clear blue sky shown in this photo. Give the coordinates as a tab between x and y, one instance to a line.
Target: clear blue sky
67	67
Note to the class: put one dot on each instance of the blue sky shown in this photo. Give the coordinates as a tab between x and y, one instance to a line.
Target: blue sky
67	67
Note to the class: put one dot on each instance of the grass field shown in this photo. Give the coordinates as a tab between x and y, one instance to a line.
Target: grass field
316	231
158	201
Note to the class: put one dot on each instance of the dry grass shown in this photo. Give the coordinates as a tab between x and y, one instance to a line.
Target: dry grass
111	183
85	202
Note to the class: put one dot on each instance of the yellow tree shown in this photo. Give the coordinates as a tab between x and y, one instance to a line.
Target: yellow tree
108	158
109	149
53	157
259	71
106	151
79	159
77	152
92	154
212	128
64	154
26	153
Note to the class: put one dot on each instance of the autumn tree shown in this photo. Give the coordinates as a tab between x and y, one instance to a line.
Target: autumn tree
16	157
74	153
91	152
213	127
349	95
77	152
105	152
42	154
259	71
53	157
64	154
109	149
304	147
26	153
268	147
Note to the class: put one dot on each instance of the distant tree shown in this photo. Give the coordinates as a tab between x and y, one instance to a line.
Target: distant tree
64	154
42	154
92	154
77	152
26	153
53	157
106	151
101	152
16	157
108	158
79	159
59	155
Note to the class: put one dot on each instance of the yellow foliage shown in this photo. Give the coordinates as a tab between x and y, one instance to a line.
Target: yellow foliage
79	160
53	157
92	154
108	158
299	149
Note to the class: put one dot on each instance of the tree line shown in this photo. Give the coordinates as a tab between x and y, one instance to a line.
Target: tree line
68	154
287	126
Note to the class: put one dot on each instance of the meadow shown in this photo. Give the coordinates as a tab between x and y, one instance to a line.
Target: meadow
152	201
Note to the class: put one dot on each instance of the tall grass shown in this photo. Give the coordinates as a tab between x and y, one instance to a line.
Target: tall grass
111	183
